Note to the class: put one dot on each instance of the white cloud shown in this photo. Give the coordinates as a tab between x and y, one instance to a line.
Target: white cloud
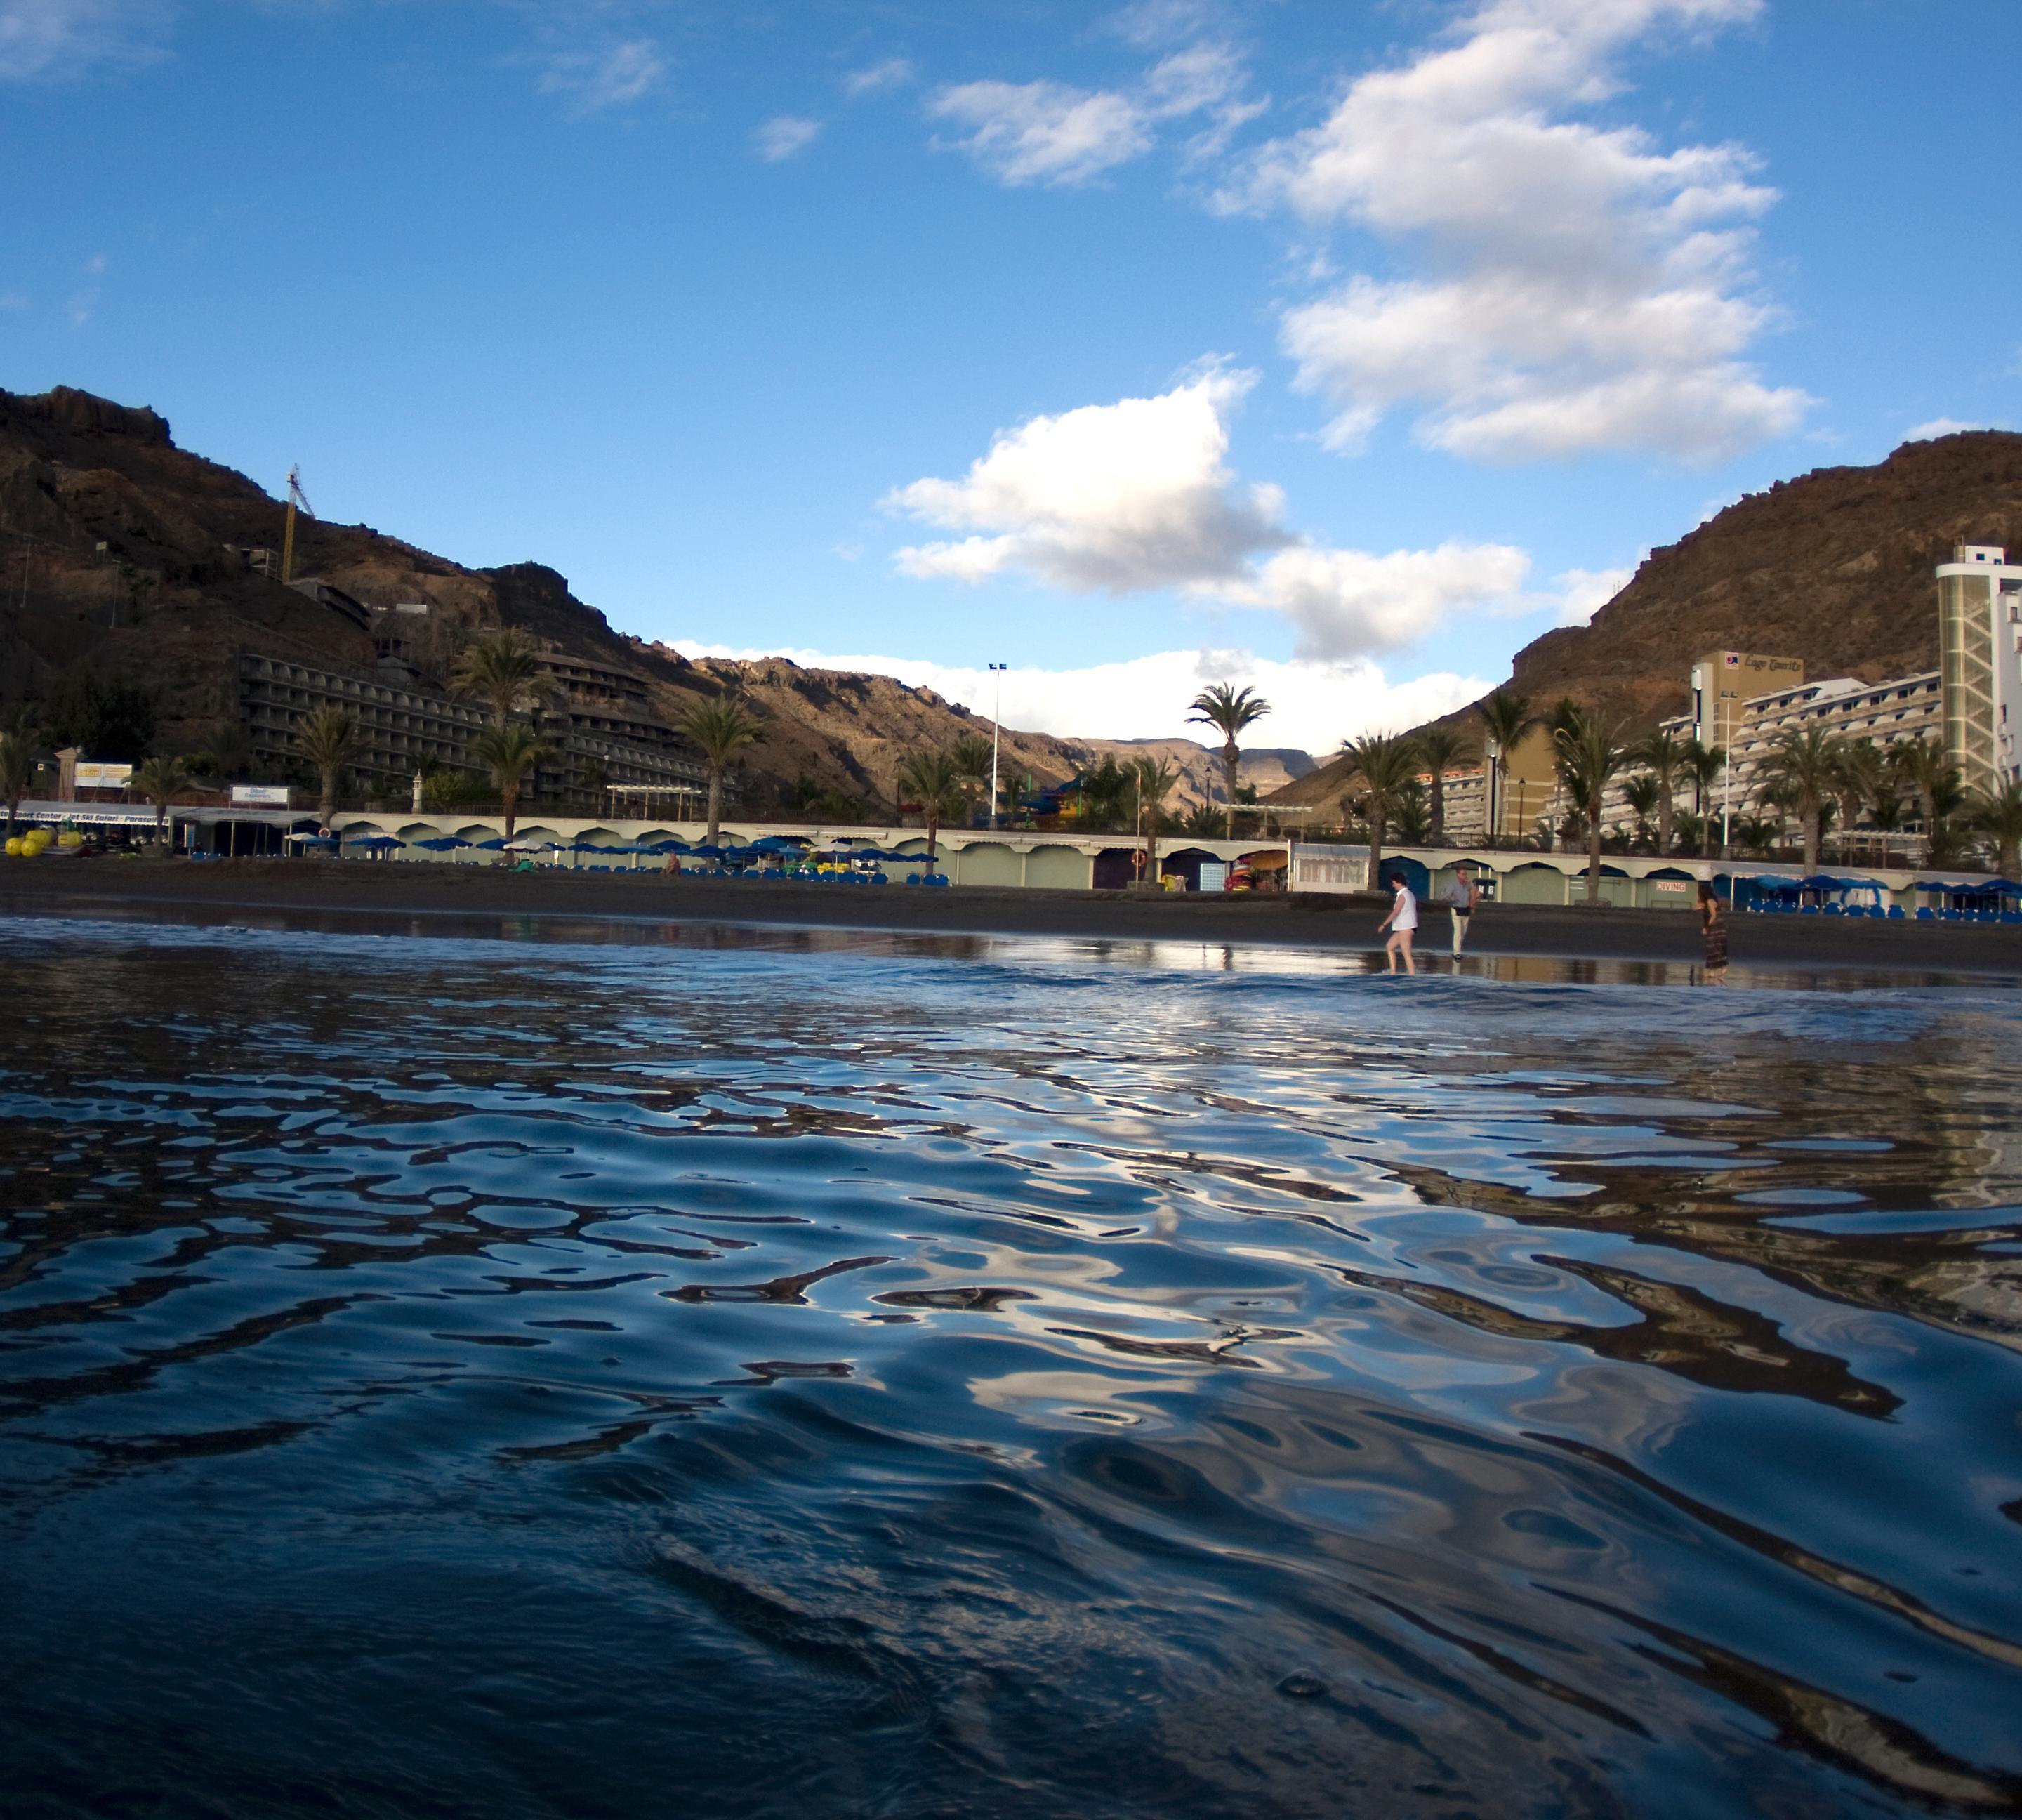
1122	497
1043	132
1577	288
1137	495
60	40
894	72
1049	133
1314	706
605	75
1947	426
1583	592
783	136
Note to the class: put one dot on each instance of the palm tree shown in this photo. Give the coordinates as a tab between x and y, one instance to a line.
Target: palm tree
328	740
1154	779
1758	834
1997	813
1589	755
1704	765
1885	814
511	753
17	774
1804	767
1662	753
162	780
1506	718
972	754
1640	793
1438	748
1926	769
720	728
1229	712
933	781
503	670
1862	767
1100	792
1386	762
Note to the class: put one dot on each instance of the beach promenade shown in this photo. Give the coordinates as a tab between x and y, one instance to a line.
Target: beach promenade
51	886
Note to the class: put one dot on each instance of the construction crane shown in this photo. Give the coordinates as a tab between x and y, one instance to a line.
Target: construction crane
298	501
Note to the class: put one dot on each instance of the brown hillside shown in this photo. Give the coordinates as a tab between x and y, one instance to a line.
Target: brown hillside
119	549
1835	568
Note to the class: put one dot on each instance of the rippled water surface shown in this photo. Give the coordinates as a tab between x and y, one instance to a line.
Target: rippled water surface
761	1373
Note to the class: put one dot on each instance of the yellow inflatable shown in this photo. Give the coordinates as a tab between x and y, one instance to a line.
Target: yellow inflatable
72	839
14	846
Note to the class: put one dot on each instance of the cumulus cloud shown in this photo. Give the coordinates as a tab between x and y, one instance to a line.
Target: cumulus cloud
1122	497
1050	133
597	78
1947	426
1569	287
783	135
1137	496
61	40
1314	706
894	72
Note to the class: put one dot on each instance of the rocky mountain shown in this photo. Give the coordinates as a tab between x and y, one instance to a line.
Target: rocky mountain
1834	567
123	552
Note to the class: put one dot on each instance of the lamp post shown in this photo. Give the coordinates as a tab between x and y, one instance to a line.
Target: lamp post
996	713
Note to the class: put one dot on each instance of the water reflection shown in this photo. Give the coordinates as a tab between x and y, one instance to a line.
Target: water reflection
919	1375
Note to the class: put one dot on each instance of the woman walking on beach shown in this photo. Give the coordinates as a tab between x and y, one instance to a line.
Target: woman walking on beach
1402	919
1712	930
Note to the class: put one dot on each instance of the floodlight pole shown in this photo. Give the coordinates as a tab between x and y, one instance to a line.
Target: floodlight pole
996	715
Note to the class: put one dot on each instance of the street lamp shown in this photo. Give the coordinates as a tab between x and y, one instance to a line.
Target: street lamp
997	673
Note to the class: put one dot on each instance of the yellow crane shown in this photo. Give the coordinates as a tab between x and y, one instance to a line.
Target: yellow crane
297	499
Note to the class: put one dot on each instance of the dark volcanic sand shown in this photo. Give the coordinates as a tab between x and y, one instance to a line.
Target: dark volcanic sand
53	886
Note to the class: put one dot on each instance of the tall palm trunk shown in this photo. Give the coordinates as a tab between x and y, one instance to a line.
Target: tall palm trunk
1593	851
510	795
1810	815
327	806
1232	758
933	820
1439	805
715	804
1379	822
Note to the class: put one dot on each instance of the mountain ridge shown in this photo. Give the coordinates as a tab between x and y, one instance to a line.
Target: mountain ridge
1833	567
144	559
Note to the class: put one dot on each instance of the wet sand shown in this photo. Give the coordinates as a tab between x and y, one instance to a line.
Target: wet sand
51	885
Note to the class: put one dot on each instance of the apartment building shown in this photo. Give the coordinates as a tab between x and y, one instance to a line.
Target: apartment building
399	726
1980	660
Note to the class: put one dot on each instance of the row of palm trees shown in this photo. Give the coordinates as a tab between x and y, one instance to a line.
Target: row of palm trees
1808	774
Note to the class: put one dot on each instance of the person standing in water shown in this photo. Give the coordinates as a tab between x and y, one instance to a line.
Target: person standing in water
1402	921
1460	896
1712	930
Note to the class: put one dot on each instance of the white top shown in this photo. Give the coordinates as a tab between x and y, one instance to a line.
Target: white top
1405	914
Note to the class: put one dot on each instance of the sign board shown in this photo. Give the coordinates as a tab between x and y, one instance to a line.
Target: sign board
259	796
1671	884
91	776
1214	875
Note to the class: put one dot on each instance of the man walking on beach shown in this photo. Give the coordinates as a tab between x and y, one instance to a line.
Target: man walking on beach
1402	919
1461	896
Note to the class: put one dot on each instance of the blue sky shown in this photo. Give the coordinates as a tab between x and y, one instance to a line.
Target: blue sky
1342	348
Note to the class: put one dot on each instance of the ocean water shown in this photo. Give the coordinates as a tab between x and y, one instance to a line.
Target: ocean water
736	1372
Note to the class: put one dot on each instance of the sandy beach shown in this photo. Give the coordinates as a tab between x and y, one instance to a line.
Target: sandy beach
48	887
